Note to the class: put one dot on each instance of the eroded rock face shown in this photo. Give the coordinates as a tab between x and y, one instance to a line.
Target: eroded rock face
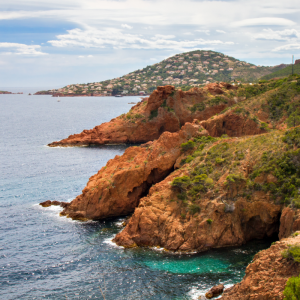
231	124
159	221
117	188
267	275
289	222
164	110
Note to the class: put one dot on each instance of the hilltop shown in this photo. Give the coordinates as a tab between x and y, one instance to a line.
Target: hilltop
286	71
186	70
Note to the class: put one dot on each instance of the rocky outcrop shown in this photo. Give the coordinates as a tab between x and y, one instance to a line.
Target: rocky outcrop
232	124
159	220
165	110
48	203
289	222
117	188
215	291
267	275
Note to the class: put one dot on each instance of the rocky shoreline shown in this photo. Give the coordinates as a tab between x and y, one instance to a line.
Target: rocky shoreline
216	168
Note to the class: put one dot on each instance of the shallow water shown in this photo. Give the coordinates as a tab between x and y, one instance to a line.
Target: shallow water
44	256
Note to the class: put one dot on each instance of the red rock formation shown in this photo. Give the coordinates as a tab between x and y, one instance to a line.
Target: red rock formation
117	188
231	124
267	275
215	291
297	61
165	110
158	221
289	222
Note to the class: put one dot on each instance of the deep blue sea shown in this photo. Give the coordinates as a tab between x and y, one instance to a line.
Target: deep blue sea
44	256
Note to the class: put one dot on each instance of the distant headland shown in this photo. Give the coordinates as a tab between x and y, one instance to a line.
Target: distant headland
10	93
184	71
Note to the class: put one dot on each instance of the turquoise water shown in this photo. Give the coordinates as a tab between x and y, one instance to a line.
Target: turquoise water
44	256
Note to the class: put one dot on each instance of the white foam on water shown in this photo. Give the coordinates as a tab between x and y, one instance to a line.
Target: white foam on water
196	293
111	243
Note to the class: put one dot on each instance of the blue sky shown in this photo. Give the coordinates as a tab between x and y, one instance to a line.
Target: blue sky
54	43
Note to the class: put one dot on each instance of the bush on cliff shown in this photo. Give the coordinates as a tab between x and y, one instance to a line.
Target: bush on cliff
292	289
292	253
187	146
181	182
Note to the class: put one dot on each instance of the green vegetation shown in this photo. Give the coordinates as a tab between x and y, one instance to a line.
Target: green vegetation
198	107
285	166
292	289
187	146
292	253
153	114
283	72
209	221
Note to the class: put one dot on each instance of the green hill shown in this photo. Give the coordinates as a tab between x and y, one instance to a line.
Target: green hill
184	70
283	72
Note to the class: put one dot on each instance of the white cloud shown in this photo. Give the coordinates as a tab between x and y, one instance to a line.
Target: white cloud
115	38
220	31
267	21
163	37
22	49
287	47
283	35
206	31
126	26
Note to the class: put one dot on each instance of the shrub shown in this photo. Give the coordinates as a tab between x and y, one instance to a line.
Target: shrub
153	114
181	196
294	119
217	100
292	289
292	253
219	160
198	107
187	146
292	137
181	182
209	221
194	208
264	126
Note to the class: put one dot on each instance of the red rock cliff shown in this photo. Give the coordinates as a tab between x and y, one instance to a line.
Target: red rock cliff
267	275
165	110
117	188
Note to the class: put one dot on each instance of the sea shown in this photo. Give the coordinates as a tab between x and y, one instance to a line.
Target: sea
45	256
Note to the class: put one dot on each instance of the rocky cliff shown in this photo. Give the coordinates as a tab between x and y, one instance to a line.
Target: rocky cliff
219	168
165	110
267	275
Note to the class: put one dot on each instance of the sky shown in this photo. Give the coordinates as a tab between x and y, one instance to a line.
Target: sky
52	43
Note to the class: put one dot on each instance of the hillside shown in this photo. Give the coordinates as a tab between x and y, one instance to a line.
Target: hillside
283	72
220	167
186	70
